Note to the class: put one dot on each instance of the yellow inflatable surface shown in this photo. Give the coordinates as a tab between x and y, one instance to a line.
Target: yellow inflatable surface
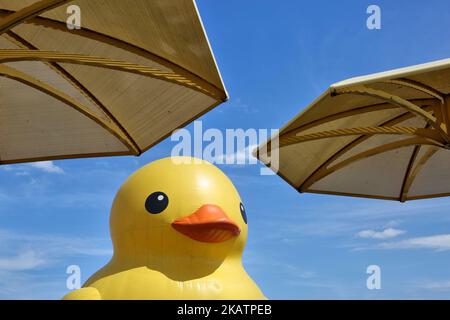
179	229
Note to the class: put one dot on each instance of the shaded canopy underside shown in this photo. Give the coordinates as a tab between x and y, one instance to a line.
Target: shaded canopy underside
134	72
383	136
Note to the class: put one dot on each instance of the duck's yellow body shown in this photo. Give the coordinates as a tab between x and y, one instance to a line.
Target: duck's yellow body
179	229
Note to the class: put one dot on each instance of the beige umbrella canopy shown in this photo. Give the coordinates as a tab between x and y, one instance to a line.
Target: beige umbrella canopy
383	136
134	72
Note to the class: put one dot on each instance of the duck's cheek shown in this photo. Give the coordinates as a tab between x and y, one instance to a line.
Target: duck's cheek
150	222
242	239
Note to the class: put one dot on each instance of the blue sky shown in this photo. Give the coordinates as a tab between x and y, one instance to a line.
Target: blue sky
275	58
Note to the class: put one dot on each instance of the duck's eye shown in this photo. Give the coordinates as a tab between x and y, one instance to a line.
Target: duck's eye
157	202
243	213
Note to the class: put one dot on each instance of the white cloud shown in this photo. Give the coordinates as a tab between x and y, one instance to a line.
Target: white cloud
28	261
47	166
437	242
392	224
24	169
22	173
243	155
385	234
24	261
287	270
53	246
444	285
323	216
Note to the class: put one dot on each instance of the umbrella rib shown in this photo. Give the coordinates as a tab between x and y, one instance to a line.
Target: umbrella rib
29	12
445	108
294	139
398	119
417	86
353	112
404	189
67	156
430	196
201	84
21	77
355	195
18	40
348	113
395	100
341	115
406	180
369	153
13	55
326	119
414	172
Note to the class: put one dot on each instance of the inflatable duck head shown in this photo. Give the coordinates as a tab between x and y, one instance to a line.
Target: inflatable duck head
181	216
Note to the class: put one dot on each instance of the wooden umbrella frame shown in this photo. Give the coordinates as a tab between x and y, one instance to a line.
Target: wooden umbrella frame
436	133
30	15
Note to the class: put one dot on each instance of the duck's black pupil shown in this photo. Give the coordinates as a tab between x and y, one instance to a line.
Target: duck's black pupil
157	202
243	213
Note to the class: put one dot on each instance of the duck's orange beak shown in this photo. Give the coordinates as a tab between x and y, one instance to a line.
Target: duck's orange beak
208	224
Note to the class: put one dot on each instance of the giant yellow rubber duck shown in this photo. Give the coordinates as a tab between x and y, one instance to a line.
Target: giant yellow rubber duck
178	228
